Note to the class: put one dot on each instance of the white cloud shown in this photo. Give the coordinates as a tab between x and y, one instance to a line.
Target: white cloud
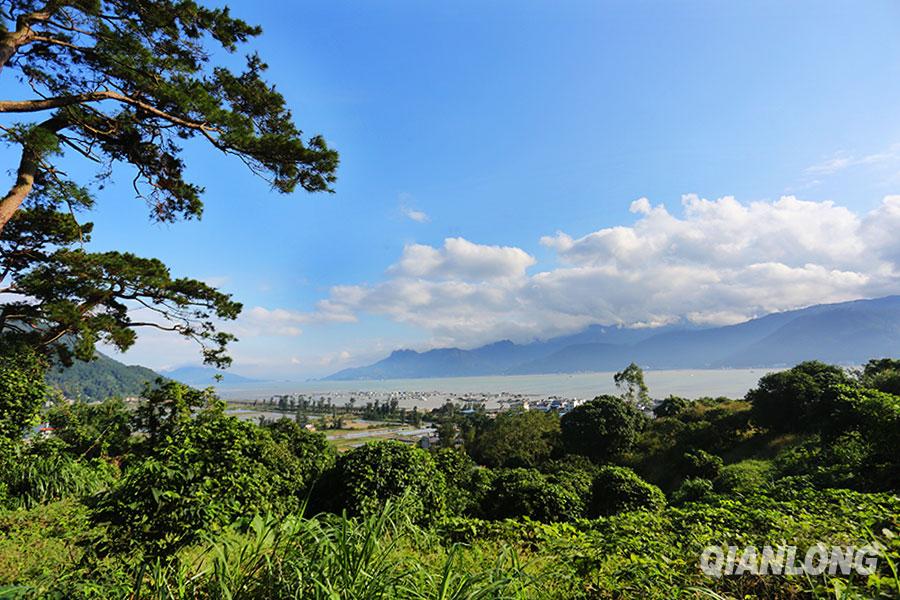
720	261
460	259
416	215
407	210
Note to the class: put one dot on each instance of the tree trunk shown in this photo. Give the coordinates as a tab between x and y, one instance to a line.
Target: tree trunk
11	41
28	168
20	190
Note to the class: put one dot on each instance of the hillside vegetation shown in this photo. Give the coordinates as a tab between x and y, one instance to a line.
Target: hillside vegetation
100	378
176	499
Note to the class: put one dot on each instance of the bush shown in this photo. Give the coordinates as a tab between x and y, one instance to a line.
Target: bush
745	477
366	477
882	374
618	489
601	429
22	387
213	470
702	464
97	429
467	484
693	490
528	493
314	455
671	406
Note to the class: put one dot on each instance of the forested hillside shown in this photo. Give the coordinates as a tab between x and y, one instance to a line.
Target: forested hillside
100	379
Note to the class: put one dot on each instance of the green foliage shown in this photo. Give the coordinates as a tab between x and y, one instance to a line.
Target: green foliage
518	439
618	489
43	472
702	464
99	379
366	477
42	542
671	406
693	490
793	400
166	408
744	478
22	388
211	507
312	452
602	429
201	474
92	430
528	493
882	374
467	484
322	558
630	381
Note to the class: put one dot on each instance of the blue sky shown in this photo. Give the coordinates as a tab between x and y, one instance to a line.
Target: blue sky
526	133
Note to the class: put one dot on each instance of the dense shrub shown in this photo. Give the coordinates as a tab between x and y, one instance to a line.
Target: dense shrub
701	464
97	429
671	406
618	489
528	493
467	483
366	477
745	477
313	454
693	490
211	470
22	387
882	374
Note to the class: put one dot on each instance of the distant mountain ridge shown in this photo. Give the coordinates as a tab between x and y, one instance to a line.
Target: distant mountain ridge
100	379
204	376
843	333
105	377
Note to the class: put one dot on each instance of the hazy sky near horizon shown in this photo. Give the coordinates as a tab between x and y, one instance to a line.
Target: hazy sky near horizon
517	169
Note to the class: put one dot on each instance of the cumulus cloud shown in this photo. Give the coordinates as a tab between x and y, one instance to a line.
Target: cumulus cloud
462	260
718	261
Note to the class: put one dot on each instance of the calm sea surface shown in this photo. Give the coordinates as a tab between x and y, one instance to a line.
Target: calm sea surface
733	383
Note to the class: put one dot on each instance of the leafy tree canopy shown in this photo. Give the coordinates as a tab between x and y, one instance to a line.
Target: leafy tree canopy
601	429
127	82
630	381
791	401
518	439
882	374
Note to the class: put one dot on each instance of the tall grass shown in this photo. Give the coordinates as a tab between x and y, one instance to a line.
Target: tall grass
381	556
32	478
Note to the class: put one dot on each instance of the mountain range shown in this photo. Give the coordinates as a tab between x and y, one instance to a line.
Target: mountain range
100	378
105	377
843	333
